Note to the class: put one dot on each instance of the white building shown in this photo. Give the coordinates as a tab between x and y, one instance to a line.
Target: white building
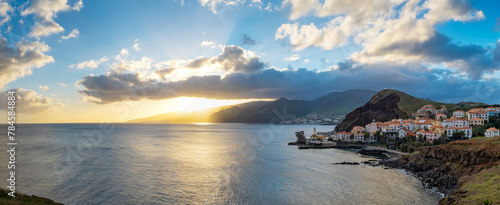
459	114
467	131
492	132
476	113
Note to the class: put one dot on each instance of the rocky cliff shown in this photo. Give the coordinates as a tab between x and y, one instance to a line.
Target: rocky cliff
387	104
450	168
382	106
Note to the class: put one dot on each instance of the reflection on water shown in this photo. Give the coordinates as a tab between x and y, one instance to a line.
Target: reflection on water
193	164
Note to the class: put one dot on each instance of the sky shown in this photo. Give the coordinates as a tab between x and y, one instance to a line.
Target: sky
116	60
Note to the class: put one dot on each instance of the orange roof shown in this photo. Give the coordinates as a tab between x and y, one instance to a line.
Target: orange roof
492	129
459	128
459	111
477	119
437	127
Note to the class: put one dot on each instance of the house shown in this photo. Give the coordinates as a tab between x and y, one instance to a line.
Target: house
439	129
477	113
359	137
492	132
492	111
447	123
440	116
424	125
478	122
460	122
372	138
442	110
372	127
467	131
429	135
357	129
426	109
420	114
402	132
459	114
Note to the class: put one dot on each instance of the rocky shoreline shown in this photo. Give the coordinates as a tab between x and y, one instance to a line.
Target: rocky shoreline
451	167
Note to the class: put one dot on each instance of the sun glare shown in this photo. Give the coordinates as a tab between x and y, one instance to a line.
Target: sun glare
190	104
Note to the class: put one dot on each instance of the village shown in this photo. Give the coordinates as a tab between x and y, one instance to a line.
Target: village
429	124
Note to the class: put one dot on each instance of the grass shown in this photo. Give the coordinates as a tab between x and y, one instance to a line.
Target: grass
22	199
485	188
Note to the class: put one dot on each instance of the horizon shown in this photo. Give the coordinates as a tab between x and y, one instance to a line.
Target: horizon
80	61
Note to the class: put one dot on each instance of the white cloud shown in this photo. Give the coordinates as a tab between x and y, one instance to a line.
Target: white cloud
209	44
216	4
44	88
45	28
124	52
5	8
62	85
295	57
46	11
136	45
75	33
89	64
30	102
78	5
20	61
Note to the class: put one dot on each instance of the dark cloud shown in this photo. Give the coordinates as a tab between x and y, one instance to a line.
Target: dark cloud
298	84
163	72
496	52
247	40
472	59
232	58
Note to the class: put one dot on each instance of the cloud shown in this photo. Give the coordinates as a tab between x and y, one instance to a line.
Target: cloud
247	40
5	8
496	52
294	57
19	61
62	85
77	6
208	44
45	28
75	33
89	64
297	84
381	27
44	88
216	5
46	11
136	45
30	102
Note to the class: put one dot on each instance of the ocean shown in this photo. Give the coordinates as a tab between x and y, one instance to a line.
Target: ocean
196	164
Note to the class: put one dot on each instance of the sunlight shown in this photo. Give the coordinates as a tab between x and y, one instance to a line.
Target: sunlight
190	104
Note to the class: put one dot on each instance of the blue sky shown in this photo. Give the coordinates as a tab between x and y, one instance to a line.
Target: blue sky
93	55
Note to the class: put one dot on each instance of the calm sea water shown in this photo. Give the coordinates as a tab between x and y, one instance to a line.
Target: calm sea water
196	164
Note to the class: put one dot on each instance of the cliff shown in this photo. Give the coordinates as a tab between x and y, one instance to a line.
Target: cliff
24	199
387	104
455	167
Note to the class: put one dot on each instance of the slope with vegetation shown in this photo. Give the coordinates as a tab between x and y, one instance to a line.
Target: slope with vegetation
386	105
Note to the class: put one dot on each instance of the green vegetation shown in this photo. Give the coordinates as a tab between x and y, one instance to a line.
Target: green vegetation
484	188
23	199
411	104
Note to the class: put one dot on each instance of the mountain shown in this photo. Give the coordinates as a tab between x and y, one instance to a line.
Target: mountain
337	103
192	117
386	105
